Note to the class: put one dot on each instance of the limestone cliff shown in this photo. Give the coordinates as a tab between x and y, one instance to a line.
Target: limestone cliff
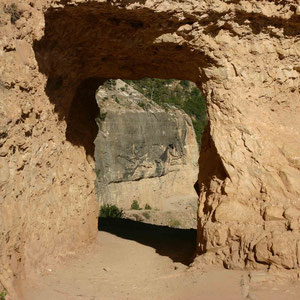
143	152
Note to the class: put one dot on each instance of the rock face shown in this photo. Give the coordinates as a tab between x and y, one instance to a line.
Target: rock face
143	152
243	55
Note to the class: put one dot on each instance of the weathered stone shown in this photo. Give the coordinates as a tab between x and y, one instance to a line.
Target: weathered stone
283	251
273	213
290	176
298	252
4	172
292	213
280	250
294	225
262	253
234	211
276	225
144	154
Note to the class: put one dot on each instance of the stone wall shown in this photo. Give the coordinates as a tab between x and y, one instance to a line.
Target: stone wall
143	152
244	55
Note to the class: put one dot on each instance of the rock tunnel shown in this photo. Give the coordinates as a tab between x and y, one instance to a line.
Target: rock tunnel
249	173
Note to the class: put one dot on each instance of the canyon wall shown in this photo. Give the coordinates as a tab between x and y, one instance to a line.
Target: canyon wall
243	55
143	152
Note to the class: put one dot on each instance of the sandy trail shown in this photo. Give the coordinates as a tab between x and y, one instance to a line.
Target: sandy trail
144	263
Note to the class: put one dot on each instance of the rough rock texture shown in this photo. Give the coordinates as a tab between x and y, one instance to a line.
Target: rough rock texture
142	151
244	55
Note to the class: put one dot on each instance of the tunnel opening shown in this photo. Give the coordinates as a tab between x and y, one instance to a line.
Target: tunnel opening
88	43
145	150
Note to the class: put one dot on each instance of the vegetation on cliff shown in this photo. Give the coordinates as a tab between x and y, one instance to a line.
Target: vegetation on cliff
180	93
110	211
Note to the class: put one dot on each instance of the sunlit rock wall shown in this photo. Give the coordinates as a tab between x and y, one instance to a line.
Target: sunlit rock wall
143	152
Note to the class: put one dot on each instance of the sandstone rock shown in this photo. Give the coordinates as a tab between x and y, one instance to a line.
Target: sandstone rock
283	249
4	172
289	177
235	212
261	252
292	214
298	252
294	225
280	250
273	213
276	225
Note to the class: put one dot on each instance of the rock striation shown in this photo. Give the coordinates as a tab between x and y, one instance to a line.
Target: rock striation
243	55
142	151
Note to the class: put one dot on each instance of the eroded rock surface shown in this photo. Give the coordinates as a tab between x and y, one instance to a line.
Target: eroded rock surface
143	152
244	55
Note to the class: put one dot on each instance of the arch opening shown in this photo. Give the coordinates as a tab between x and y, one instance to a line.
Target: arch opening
100	42
147	162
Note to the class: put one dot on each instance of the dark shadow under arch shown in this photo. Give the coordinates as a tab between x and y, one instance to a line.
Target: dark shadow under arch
177	244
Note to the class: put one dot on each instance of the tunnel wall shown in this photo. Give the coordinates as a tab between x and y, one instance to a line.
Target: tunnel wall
243	55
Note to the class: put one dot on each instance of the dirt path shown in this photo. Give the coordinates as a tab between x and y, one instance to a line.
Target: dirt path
141	264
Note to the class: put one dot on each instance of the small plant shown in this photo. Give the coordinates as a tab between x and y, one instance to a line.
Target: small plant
165	106
135	205
110	84
14	15
110	211
117	100
146	215
185	84
100	119
123	89
148	207
3	294
102	116
142	105
174	223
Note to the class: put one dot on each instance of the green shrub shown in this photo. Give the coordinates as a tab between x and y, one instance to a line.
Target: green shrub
147	206
174	223
185	83
135	205
110	84
110	211
142	105
102	116
117	100
3	294
146	215
14	13
100	119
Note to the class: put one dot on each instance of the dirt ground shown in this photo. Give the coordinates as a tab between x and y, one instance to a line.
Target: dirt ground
132	260
177	212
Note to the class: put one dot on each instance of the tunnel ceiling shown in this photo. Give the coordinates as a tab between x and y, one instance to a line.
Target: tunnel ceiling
99	40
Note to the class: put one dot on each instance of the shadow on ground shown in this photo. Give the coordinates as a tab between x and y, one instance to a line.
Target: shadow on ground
178	244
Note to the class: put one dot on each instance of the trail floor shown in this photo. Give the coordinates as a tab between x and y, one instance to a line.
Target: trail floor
141	261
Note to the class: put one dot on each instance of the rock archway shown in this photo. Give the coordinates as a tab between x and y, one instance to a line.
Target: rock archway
241	54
